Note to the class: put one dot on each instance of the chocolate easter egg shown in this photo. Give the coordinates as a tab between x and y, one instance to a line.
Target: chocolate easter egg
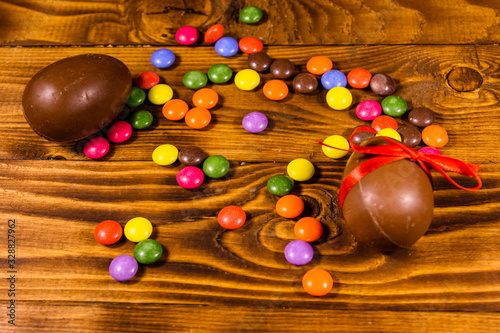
391	207
77	96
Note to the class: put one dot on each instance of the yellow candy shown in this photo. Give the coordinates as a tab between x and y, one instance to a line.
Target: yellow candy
138	229
247	79
300	169
389	133
160	94
338	142
165	154
339	98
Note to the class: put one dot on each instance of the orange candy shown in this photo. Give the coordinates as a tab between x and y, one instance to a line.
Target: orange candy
275	90
435	136
250	45
317	282
175	109
206	98
359	78
308	229
198	118
383	121
290	206
214	33
319	65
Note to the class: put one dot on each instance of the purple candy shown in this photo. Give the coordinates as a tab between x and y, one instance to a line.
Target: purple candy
298	252
333	78
123	267
255	122
368	110
430	150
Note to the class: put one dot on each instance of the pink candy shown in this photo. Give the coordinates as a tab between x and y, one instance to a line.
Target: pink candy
119	131
96	147
190	177
430	150
368	110
186	35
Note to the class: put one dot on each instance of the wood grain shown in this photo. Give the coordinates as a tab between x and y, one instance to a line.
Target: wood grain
342	22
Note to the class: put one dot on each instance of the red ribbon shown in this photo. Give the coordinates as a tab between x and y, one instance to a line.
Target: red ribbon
396	151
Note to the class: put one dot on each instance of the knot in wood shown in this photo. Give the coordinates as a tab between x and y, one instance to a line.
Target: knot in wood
464	79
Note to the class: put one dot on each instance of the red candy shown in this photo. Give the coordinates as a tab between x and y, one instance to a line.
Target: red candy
359	78
214	33
250	45
231	217
147	80
384	122
186	35
108	232
96	147
119	131
190	177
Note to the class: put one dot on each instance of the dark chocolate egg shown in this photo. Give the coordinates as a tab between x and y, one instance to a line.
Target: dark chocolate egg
76	96
391	207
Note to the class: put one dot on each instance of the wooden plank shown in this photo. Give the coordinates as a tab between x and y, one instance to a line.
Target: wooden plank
343	22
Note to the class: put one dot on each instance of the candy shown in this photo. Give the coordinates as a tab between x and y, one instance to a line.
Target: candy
305	83
206	98
282	68
359	137
214	33
280	185
319	65
186	35
435	136
383	84
250	45
317	282
410	135
123	267
421	117
148	251
191	155
147	80
198	118
216	166
384	122
336	141
220	73
75	97
140	119
190	177
333	78
162	58
308	229
119	132
255	122
138	229
368	110
359	78
259	61
389	133
108	232
195	79
96	147
247	79
226	46
165	154
339	98
299	253
231	217
275	90
251	14
394	106
289	206
175	109
300	169
430	150
137	97
160	94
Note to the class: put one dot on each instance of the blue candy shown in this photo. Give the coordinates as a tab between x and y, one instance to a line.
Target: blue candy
162	58
226	46
333	78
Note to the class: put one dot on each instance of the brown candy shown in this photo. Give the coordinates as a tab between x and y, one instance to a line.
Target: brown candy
282	68
191	155
305	83
361	136
410	135
421	117
259	61
75	97
391	207
383	84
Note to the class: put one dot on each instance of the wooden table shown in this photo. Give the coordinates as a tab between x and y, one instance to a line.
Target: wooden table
443	54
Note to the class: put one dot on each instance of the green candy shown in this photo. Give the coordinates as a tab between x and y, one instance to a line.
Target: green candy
251	14
220	73
216	166
137	97
195	79
394	106
148	251
280	185
140	119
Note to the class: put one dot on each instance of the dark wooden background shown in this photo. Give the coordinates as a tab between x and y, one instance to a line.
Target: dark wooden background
443	55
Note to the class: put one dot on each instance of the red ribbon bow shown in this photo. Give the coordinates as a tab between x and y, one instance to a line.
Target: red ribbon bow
396	151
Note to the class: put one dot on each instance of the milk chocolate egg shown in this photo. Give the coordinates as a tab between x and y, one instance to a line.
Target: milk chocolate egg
391	207
76	96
